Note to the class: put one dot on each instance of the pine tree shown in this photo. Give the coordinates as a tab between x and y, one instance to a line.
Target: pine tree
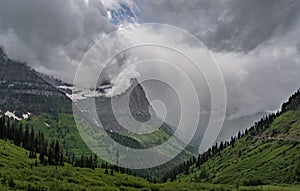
51	153
95	163
19	136
45	151
56	153
203	173
297	170
42	157
2	122
111	171
61	158
106	169
73	158
26	138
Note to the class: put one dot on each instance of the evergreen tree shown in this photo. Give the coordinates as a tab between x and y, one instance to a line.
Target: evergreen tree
203	173
106	169
95	163
26	138
57	153
61	158
19	135
111	171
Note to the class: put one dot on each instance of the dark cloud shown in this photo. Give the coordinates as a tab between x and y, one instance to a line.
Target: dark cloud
230	25
253	42
51	35
298	47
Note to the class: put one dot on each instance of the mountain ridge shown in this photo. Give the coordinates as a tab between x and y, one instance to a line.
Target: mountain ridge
22	90
58	123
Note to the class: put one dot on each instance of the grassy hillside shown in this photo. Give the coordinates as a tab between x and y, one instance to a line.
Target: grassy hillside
271	156
62	127
21	173
270	161
18	172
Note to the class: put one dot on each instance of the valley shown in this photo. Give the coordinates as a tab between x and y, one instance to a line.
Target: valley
264	157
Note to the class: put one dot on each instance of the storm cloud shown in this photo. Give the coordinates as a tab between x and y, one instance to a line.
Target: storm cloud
255	42
51	36
230	25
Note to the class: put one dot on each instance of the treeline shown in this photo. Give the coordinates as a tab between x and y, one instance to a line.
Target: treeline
201	159
293	103
216	149
26	137
49	154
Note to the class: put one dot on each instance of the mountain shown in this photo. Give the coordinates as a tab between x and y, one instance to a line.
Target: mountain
133	100
267	153
23	90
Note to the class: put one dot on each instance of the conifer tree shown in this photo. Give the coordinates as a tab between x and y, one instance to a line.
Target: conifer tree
57	153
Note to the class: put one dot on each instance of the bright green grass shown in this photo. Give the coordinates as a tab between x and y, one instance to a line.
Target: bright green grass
274	159
286	126
18	172
15	165
271	188
63	128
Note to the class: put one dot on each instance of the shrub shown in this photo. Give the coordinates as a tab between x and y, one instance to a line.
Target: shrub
11	182
253	182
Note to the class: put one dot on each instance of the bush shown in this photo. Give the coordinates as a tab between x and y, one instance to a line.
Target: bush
253	182
11	183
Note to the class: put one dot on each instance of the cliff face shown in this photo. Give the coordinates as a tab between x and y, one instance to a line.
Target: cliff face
21	89
24	90
133	102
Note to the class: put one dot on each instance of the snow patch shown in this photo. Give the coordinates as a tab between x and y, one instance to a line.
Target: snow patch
96	123
12	115
81	94
26	115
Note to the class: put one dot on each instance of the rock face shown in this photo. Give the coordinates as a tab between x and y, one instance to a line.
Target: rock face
23	90
131	105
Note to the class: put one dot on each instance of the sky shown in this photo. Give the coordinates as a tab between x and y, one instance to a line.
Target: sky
255	43
51	36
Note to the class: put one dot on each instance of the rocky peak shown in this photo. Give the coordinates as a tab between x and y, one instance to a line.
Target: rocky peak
3	56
